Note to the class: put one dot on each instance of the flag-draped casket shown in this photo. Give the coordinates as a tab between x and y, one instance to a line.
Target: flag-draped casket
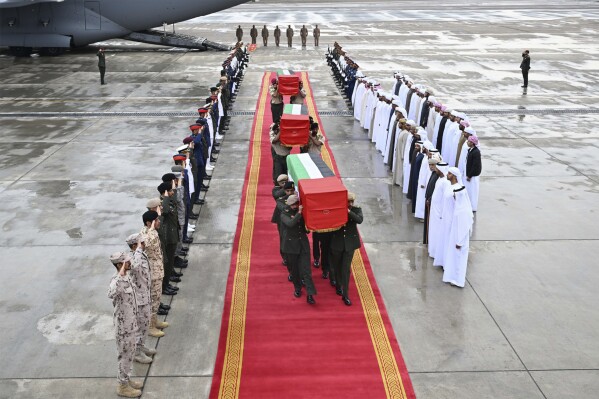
295	125
288	82
322	194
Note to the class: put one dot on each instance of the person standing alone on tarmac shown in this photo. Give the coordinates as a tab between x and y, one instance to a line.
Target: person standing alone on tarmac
239	33
316	34
525	66
101	64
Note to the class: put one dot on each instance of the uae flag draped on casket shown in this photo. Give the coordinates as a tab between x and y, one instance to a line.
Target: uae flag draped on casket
294	125
322	194
288	82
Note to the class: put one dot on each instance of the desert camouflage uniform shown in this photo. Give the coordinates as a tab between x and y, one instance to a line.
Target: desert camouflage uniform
124	300
140	277
154	253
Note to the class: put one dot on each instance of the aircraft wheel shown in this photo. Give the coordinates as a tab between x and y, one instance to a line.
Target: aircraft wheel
21	51
51	51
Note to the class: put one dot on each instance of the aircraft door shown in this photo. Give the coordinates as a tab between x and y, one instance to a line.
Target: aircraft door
92	15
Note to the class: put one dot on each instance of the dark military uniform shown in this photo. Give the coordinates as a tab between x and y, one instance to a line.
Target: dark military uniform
304	35
254	34
296	248
277	35
280	197
239	33
289	36
169	227
343	244
265	36
101	65
316	34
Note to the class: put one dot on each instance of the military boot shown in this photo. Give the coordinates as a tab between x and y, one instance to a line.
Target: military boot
141	357
153	331
161	324
148	351
136	384
126	391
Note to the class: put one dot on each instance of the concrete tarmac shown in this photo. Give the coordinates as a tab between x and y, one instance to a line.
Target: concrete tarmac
78	161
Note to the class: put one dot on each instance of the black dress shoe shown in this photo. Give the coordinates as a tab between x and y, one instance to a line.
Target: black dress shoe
172	287
212	159
204	188
169	292
310	300
325	275
290	278
297	293
316	263
162	312
346	301
174	279
215	151
333	283
187	240
200	202
339	291
193	216
163	306
175	274
183	251
208	178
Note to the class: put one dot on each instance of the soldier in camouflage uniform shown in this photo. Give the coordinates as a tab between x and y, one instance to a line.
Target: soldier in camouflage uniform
154	252
124	299
140	277
179	198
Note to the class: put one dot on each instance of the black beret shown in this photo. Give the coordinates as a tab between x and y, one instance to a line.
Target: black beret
149	216
289	185
167	178
164	187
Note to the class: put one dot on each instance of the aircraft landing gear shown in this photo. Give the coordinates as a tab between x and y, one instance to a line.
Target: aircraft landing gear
51	51
21	51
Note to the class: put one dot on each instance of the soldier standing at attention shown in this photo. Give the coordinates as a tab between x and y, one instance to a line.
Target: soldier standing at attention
265	36
289	36
154	253
140	277
525	66
253	34
304	35
276	101
316	33
343	244
296	248
239	33
124	299
279	153
101	64
277	35
170	228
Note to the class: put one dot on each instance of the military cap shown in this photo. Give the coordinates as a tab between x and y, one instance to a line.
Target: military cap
187	140
179	157
213	88
119	257
282	177
292	199
153	203
134	239
289	185
164	187
223	78
195	127
168	177
351	196
202	110
149	216
177	168
183	148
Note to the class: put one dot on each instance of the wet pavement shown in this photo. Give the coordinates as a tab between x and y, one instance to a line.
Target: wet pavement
74	186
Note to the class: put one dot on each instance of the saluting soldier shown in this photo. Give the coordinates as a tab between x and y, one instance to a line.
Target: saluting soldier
154	253
239	33
277	35
265	36
170	228
304	35
344	242
289	36
124	299
141	279
253	34
316	34
296	248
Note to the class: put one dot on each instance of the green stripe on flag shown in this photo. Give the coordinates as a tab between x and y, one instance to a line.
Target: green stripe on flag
296	169
294	109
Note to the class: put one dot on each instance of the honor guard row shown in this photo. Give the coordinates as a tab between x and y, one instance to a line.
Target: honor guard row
277	35
146	271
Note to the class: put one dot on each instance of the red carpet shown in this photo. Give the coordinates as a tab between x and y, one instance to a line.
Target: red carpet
273	345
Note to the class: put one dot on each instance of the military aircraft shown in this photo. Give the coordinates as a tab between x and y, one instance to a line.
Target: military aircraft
55	25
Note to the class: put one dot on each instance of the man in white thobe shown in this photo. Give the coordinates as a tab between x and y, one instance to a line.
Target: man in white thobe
406	155
435	223
432	116
357	97
423	176
446	218
458	240
451	130
400	144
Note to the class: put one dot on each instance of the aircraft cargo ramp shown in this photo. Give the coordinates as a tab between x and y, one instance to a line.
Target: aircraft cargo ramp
175	40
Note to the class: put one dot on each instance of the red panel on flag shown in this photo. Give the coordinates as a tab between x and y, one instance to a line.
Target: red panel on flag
294	130
325	203
288	85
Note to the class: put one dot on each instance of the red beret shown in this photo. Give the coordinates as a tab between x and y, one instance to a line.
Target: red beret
195	127
214	97
202	110
179	157
187	140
